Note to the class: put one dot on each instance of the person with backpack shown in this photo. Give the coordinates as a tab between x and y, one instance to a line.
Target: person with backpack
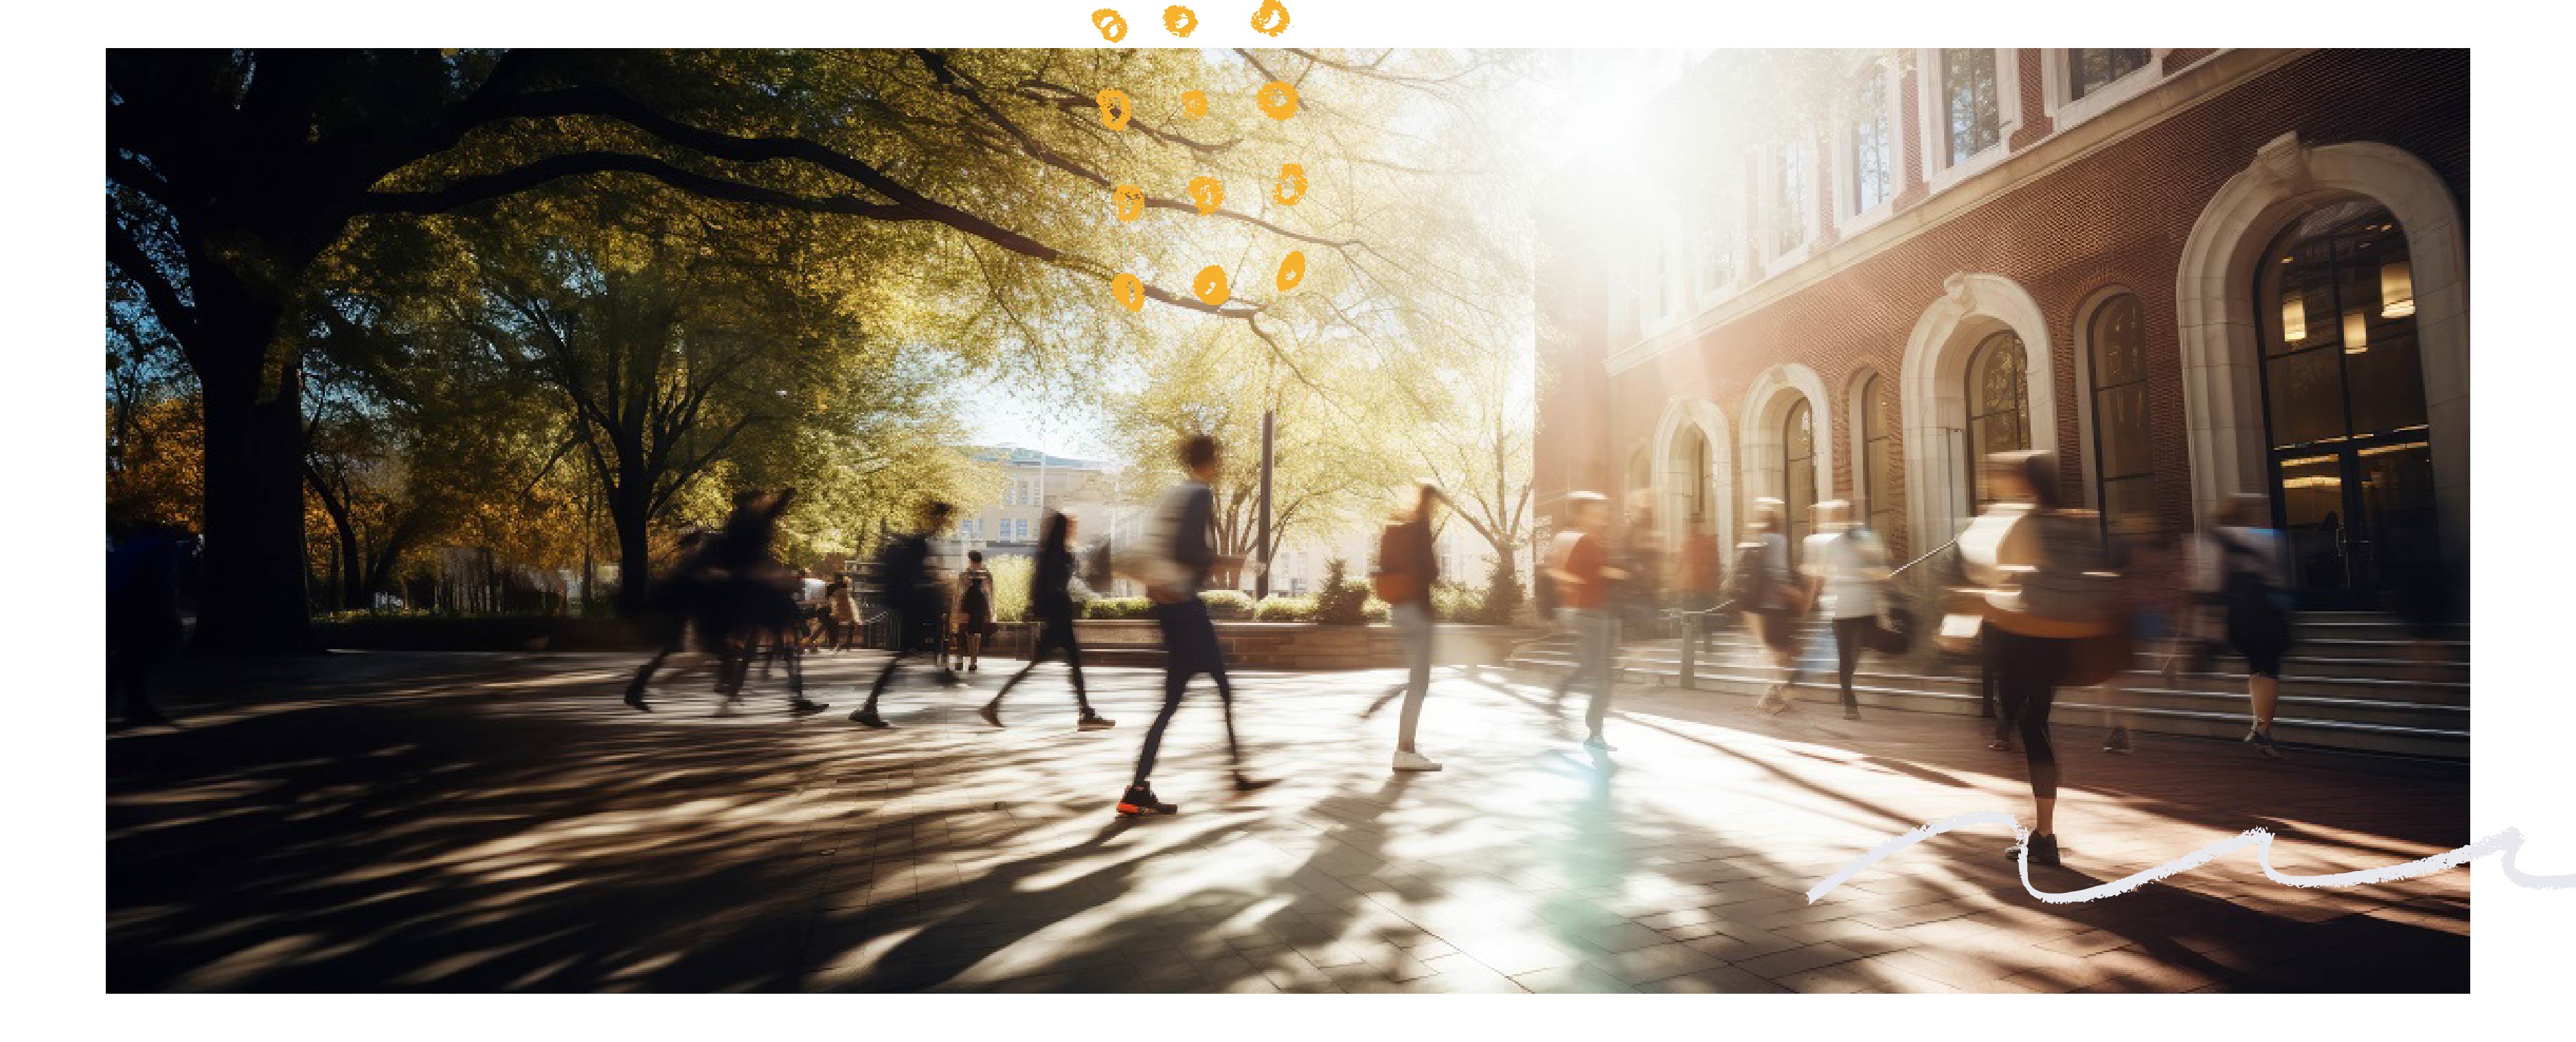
917	598
1770	601
1845	566
2036	615
974	614
1051	598
1407	565
144	630
1703	586
2244	569
1579	562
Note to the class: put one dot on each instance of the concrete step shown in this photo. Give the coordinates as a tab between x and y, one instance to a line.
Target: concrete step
2324	727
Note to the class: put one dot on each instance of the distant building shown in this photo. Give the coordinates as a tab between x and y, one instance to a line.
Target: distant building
1032	483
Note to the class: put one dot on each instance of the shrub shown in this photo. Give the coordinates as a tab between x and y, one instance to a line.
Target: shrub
1229	605
1281	607
1011	579
1118	608
1503	599
1376	612
1454	602
1342	601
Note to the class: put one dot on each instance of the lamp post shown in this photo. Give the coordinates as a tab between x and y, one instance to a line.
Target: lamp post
1261	537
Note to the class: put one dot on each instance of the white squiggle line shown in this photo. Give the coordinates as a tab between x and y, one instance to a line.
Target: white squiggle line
2509	842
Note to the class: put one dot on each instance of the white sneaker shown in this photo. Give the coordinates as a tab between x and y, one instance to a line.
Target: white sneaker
1405	761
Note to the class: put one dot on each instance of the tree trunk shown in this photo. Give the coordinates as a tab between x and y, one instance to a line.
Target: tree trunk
628	510
353	566
254	558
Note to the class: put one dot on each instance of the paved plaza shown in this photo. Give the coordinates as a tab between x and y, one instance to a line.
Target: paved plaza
390	821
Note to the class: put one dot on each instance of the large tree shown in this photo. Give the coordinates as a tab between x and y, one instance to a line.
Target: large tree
233	173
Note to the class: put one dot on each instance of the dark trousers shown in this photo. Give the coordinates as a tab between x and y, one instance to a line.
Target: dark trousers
1189	649
1054	634
915	635
2027	670
1849	636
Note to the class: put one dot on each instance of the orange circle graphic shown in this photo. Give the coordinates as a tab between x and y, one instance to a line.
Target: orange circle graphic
1181	21
1129	201
1278	100
1268	9
1112	26
1194	103
1208	193
1291	186
1210	285
1115	108
1129	290
1292	270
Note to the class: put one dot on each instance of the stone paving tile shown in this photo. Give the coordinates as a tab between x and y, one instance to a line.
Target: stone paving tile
686	851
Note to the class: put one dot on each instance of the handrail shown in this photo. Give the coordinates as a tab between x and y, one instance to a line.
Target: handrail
1927	555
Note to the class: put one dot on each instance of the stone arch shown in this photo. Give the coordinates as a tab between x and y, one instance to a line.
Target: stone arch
1672	479
2214	298
1766	407
1933	393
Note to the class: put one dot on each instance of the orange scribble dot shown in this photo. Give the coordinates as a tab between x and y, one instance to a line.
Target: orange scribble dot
1208	193
1129	290
1210	285
1109	24
1115	108
1130	201
1291	186
1292	270
1270	8
1278	100
1112	26
1194	102
1180	20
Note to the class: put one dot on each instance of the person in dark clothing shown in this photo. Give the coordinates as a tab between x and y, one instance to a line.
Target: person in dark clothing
2042	609
974	613
143	627
729	587
915	595
1183	558
1051	600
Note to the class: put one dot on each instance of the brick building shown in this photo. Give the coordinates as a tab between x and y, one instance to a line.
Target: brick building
2186	272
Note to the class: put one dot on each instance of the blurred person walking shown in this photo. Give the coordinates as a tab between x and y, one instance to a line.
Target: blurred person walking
842	613
1640	596
919	603
2150	587
1183	555
1771	600
1579	563
1052	600
2243	568
1406	569
143	626
2036	616
1846	565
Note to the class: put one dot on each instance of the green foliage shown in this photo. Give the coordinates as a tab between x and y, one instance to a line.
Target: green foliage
1118	608
1227	605
1281	607
1503	599
1341	601
1452	602
1011	579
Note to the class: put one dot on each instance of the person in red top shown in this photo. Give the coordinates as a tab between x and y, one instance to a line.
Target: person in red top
1579	564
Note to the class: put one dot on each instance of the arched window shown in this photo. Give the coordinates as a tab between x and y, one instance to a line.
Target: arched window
2124	466
1998	408
2351	461
1882	472
1798	472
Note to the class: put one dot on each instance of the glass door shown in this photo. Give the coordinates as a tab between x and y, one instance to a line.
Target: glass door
2343	385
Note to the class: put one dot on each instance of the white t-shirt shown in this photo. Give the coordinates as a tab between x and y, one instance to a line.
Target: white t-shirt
810	589
1847	566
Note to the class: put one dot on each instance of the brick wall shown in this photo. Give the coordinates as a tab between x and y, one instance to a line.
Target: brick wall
2118	217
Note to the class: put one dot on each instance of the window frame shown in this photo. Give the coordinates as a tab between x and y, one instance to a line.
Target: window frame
1931	117
2066	111
2090	417
1850	216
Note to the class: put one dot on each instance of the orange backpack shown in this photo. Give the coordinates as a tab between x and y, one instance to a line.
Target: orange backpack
1395	584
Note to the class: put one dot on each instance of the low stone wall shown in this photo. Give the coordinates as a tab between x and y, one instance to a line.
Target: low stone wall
1282	645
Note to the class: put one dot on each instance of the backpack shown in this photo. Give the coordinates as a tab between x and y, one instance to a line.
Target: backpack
2243	586
1749	584
1398	579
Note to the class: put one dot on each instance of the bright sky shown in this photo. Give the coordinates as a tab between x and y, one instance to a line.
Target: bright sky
1587	101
